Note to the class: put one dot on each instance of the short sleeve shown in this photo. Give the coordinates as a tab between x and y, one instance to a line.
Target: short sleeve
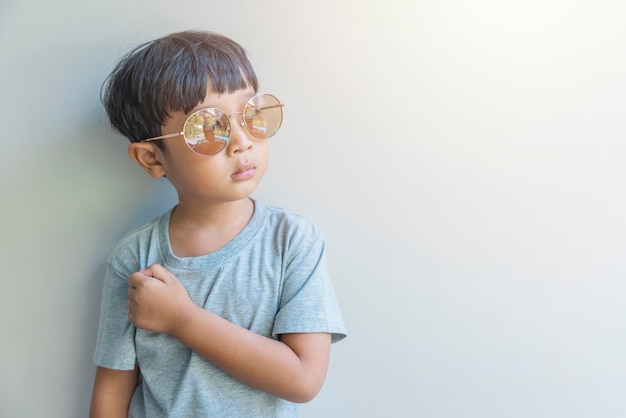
308	302
115	345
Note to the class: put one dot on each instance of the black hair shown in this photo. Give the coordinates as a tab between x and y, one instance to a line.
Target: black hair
172	74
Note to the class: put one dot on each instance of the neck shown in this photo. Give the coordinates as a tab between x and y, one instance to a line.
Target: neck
213	216
196	231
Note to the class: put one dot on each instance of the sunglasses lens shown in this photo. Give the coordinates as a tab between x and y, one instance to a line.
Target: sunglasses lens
263	115
207	131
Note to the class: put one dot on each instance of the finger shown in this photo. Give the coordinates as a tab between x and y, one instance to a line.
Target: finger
146	271
136	279
161	273
133	280
151	269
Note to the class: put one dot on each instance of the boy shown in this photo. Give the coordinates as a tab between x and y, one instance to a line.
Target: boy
221	307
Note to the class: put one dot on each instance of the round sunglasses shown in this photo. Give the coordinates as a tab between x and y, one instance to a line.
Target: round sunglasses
207	131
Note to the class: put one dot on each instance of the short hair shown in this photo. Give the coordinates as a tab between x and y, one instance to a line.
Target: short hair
172	74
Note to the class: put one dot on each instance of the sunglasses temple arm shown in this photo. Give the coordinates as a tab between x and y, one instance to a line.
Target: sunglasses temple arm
156	138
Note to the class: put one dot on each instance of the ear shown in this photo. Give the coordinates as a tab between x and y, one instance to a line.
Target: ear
148	156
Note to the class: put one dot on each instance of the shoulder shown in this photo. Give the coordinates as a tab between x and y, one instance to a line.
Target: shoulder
288	224
129	248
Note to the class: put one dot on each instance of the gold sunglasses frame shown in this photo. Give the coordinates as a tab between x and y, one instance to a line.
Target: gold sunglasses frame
242	123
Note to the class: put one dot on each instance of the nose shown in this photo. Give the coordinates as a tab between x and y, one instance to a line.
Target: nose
239	135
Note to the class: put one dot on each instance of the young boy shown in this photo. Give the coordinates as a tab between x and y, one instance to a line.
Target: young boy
221	307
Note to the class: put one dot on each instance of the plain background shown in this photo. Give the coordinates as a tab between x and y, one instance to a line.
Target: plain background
465	160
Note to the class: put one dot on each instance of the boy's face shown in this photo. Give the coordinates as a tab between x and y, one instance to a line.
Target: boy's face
230	175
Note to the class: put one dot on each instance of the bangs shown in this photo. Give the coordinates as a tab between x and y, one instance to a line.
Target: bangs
172	74
187	80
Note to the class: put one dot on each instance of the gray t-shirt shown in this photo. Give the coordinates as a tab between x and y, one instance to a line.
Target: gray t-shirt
271	279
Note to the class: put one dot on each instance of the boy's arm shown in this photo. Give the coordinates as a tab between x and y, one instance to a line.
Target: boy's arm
112	391
293	368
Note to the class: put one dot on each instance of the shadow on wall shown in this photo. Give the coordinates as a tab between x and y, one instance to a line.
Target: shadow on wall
153	204
68	196
132	198
135	200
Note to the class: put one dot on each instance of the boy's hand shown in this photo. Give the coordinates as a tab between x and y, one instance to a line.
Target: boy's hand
157	301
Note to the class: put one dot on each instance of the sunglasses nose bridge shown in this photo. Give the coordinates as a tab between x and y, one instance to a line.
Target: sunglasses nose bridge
239	139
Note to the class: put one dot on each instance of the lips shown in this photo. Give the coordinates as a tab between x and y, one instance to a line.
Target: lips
244	172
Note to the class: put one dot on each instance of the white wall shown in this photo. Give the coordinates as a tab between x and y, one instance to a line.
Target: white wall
465	160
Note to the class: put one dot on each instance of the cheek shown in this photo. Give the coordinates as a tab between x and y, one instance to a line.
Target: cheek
183	167
263	157
263	150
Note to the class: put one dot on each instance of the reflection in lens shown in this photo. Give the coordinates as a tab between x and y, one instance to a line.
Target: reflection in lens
207	131
263	115
209	147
